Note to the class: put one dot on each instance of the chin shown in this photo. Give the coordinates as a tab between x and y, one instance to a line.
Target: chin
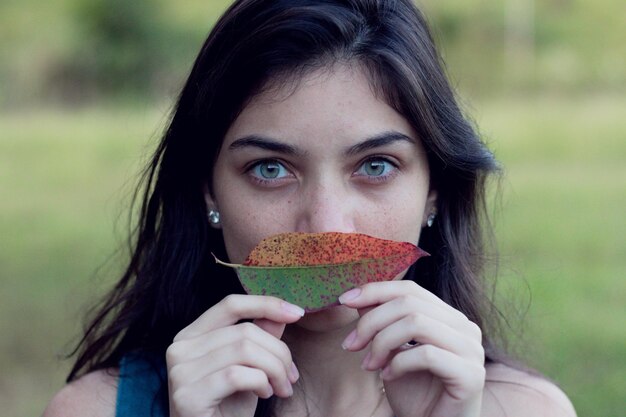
333	318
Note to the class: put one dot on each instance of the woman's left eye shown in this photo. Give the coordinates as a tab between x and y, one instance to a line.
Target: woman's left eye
376	168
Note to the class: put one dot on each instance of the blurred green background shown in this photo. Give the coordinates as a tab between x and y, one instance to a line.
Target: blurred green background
85	88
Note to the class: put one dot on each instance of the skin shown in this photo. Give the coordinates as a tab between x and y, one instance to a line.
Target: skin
295	160
321	188
323	183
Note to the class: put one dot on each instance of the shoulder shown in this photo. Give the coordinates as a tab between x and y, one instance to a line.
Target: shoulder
93	394
514	392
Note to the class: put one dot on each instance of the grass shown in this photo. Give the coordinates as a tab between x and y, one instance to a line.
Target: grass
66	178
562	233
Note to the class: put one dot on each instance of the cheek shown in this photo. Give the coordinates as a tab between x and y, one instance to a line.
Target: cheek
246	222
241	234
247	219
397	219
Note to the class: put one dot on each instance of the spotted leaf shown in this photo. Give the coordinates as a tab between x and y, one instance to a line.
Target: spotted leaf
313	269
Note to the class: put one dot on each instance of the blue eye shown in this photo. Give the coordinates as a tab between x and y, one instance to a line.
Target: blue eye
269	170
376	167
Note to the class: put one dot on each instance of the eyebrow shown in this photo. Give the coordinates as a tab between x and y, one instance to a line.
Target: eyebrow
377	141
269	144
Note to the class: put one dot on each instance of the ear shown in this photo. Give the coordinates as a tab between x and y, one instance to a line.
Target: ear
431	205
211	205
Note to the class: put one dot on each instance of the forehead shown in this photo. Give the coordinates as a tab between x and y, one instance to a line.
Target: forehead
334	103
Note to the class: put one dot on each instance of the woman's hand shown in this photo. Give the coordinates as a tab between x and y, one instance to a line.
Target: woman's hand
430	355
219	367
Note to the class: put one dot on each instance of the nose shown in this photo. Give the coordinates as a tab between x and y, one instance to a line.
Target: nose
326	208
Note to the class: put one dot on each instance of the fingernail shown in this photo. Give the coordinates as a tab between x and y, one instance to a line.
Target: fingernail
292	308
366	361
349	340
293	373
350	295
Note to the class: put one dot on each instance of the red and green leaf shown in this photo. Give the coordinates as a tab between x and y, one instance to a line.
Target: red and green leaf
313	269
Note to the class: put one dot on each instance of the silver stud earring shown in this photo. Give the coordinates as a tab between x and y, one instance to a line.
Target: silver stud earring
431	219
214	217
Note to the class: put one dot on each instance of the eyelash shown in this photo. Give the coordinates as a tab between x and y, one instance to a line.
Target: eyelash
370	178
264	181
379	178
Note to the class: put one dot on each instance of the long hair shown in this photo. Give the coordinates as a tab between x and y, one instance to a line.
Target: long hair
170	279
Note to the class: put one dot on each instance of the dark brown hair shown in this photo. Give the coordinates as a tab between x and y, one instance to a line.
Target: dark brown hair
171	280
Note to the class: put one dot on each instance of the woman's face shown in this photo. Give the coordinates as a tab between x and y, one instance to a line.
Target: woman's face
330	157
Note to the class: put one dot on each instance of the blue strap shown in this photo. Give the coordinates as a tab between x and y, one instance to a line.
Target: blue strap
140	387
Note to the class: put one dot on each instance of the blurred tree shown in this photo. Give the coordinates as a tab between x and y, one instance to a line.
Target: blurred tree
119	51
93	49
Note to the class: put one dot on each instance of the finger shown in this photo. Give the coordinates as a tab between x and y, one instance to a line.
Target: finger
240	379
425	331
212	389
187	350
461	377
246	353
384	315
274	328
363	311
236	307
380	292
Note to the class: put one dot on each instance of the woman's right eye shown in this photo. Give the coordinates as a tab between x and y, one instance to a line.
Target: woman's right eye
268	171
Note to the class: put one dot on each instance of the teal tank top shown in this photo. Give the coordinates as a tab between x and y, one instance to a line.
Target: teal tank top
142	387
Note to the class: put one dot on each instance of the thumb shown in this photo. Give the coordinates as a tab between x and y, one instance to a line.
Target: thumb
274	328
364	310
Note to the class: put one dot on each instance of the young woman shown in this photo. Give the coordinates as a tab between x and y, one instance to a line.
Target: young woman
308	116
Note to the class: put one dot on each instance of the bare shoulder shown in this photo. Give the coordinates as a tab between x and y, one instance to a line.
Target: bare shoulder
93	394
513	392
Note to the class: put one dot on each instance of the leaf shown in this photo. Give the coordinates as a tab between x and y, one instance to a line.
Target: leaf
313	269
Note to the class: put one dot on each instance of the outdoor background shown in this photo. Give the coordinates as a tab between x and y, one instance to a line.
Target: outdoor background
85	89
